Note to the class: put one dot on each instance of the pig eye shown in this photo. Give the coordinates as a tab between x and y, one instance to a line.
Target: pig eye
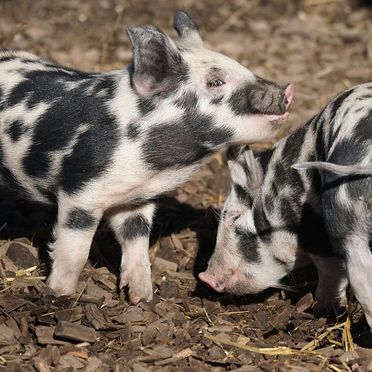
215	83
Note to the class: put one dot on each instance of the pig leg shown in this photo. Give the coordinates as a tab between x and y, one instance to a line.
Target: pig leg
132	230
330	292
73	232
359	269
348	223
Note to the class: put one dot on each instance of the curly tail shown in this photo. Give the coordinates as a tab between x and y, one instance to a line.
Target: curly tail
342	170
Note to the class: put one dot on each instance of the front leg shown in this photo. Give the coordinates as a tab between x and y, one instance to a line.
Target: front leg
73	232
132	229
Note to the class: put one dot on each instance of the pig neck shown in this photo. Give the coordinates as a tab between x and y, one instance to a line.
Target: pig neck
292	198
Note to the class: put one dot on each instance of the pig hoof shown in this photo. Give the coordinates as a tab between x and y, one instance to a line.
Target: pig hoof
60	291
139	287
321	308
60	287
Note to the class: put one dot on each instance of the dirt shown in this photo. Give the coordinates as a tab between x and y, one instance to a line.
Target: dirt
324	47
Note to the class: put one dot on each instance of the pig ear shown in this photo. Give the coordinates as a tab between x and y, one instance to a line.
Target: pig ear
186	28
156	60
244	168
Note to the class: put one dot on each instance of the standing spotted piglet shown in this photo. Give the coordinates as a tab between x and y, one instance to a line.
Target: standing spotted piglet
307	199
106	144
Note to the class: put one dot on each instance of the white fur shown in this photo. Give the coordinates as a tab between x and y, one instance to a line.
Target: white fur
135	262
69	252
359	269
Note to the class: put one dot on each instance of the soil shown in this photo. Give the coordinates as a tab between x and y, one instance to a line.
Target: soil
324	47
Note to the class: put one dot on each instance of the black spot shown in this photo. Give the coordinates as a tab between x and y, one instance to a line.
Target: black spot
363	130
360	188
55	129
264	158
263	97
321	148
7	58
275	191
15	130
293	146
183	142
92	153
58	124
338	102
2	100
281	174
145	105
42	86
106	85
261	223
78	218
348	151
269	201
216	101
341	222
135	227
243	195
312	232
133	131
248	245
188	101
240	101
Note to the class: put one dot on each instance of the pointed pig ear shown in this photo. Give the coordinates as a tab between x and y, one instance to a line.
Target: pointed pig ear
244	168
186	28
158	65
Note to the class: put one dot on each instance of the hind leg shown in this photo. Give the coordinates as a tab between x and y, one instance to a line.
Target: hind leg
359	269
348	222
73	232
330	292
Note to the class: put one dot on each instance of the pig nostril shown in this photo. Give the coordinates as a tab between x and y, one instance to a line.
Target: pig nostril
211	281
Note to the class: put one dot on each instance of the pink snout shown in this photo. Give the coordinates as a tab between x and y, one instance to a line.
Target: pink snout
287	100
211	281
225	282
289	94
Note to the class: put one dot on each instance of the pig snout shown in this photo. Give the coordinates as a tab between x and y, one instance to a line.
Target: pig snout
212	281
281	102
219	282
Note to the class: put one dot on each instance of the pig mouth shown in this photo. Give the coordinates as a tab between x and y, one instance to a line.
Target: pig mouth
285	103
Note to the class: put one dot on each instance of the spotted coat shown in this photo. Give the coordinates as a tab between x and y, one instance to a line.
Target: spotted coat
308	199
107	144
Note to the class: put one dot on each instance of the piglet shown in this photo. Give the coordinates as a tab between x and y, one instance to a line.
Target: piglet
107	144
308	199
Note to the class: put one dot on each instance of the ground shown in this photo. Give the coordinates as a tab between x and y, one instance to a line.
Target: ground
323	46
